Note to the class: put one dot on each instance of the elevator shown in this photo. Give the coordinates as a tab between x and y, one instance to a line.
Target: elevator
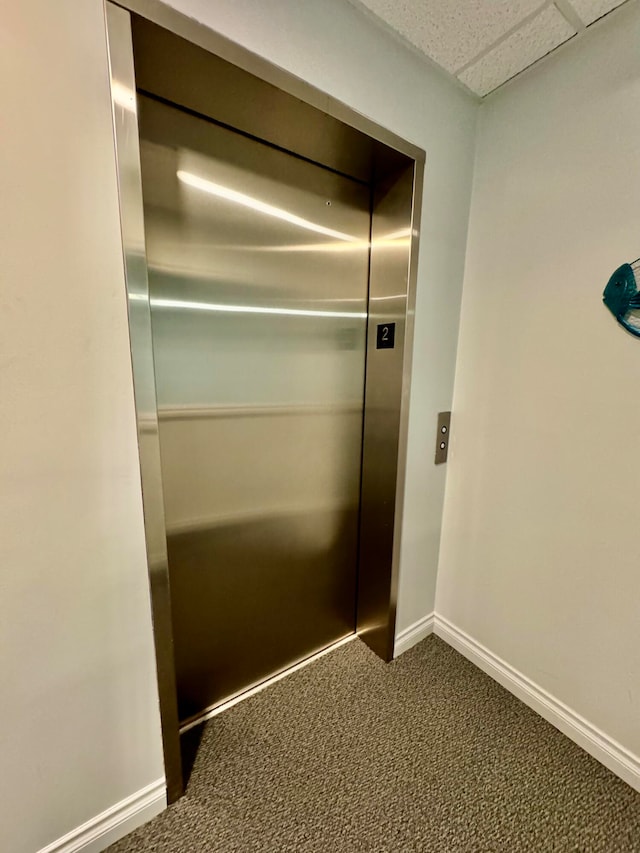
258	277
270	245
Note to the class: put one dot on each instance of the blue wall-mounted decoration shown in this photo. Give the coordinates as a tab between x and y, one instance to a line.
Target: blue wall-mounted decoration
622	298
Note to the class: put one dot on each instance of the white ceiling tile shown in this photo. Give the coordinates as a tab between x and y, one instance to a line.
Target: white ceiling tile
524	47
452	32
591	10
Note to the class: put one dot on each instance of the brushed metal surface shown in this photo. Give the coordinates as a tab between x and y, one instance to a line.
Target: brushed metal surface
132	225
245	102
386	409
258	274
195	33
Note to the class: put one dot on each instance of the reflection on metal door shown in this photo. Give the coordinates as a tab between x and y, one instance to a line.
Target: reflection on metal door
258	265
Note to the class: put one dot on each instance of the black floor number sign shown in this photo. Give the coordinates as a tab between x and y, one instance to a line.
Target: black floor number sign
386	337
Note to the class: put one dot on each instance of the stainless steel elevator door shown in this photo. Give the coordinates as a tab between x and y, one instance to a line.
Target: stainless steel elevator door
258	269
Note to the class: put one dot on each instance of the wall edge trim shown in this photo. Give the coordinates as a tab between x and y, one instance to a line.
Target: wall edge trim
416	632
589	737
114	823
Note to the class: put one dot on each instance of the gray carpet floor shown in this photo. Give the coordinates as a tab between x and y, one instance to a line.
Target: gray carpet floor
424	754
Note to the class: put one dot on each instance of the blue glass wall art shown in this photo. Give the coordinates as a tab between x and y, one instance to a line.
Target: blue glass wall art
622	298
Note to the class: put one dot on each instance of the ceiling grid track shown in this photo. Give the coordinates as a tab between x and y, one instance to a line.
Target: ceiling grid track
514	29
565	7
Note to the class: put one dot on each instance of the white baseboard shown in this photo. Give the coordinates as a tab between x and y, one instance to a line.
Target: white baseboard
113	824
413	634
593	740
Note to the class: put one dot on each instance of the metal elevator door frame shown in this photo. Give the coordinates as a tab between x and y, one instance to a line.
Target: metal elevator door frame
154	49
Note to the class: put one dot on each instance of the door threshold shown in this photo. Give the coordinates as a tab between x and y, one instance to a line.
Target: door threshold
214	710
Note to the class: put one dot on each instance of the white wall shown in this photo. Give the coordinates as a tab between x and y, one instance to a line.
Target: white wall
338	49
539	558
78	710
79	723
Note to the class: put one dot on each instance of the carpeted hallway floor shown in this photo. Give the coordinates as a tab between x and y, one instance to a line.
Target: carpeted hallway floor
424	754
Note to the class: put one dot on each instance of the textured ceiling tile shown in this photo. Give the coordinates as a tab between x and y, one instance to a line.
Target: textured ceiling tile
524	47
452	32
591	10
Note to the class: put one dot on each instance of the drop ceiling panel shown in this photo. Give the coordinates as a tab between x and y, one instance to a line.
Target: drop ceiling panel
484	43
452	32
522	48
591	10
